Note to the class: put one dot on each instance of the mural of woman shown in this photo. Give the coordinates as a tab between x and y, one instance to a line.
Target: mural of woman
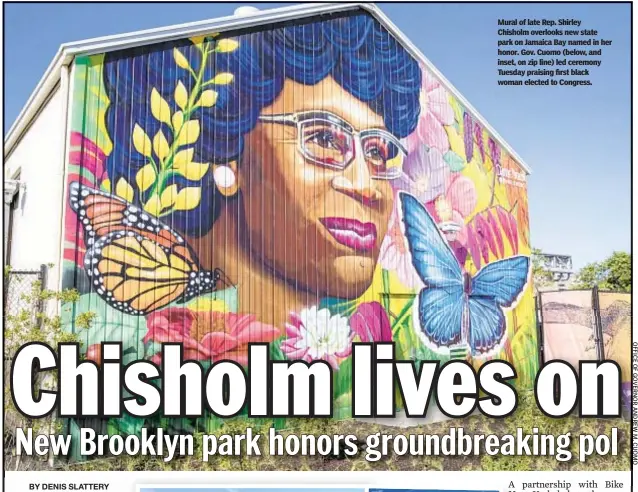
252	187
302	132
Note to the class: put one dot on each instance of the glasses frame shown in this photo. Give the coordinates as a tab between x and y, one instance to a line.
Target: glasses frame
297	118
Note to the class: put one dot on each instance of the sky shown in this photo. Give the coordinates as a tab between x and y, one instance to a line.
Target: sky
576	140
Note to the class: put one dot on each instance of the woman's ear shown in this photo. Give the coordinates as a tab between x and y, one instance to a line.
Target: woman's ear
226	178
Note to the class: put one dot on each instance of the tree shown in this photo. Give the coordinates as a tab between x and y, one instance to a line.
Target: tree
614	274
541	276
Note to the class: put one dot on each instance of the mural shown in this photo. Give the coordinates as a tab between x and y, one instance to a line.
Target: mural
308	186
570	330
615	318
568	326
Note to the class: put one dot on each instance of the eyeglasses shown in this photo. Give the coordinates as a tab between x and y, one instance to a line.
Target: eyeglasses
327	140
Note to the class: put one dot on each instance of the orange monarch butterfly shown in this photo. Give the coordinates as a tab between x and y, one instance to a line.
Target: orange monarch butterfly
136	263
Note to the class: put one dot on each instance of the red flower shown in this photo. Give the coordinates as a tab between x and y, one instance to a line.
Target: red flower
208	336
86	159
94	353
88	155
371	323
487	232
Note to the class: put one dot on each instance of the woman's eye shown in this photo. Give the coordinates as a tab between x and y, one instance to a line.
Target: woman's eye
377	152
324	138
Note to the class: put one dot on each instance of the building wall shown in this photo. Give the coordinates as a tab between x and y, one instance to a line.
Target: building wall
38	160
301	253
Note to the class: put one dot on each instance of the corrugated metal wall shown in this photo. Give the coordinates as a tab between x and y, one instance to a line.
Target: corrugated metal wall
299	184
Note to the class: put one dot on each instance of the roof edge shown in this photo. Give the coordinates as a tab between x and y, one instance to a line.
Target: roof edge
68	51
414	51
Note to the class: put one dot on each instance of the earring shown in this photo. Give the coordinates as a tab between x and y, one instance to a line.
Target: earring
225	178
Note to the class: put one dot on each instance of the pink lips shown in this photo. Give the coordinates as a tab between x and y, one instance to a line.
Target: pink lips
351	232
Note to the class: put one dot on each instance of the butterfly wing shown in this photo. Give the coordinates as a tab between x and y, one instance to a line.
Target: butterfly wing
487	325
495	286
432	258
441	316
97	211
442	301
135	263
502	280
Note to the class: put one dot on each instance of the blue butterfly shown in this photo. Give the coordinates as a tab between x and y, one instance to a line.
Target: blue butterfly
456	309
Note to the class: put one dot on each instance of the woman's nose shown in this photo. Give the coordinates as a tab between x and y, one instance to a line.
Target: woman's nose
356	181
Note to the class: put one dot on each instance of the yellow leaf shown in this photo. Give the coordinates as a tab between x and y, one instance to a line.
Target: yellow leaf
124	190
181	95
457	144
189	133
160	145
223	78
226	45
178	121
193	171
145	177
208	98
160	108
183	157
106	184
188	198
168	196
198	39
141	142
153	205
180	59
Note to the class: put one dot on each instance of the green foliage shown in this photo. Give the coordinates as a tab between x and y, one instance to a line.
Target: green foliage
28	325
93	321
540	275
527	417
613	273
31	324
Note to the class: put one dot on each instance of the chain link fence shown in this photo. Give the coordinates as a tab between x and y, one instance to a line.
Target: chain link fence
17	298
18	284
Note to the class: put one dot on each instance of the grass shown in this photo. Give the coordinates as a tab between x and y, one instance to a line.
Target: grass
526	417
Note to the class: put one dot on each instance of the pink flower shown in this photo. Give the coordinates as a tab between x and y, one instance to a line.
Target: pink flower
394	254
425	174
436	112
315	334
208	335
85	153
487	232
94	353
371	323
457	203
450	210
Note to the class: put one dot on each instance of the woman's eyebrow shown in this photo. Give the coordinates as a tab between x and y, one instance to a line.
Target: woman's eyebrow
357	117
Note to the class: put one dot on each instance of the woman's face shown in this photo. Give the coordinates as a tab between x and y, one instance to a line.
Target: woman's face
317	227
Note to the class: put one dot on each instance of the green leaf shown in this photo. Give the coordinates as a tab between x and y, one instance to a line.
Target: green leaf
343	378
343	407
458	111
455	161
338	306
275	350
74	430
109	325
